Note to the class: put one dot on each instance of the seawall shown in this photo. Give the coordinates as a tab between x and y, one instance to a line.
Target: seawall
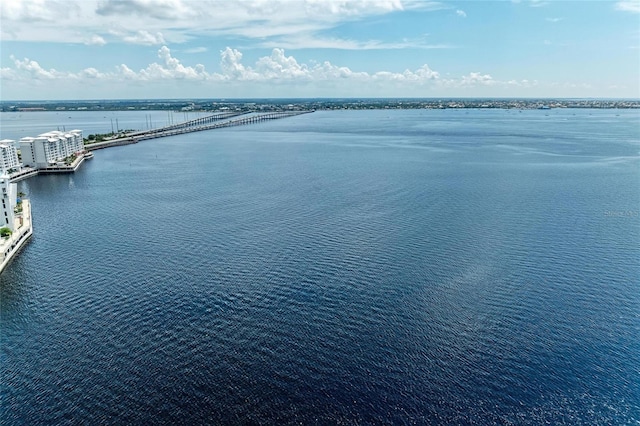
11	246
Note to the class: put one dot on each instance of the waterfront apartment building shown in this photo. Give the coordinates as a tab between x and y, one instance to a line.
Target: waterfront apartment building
8	196
9	162
51	148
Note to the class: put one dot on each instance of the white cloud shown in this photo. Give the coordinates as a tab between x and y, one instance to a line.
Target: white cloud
423	74
37	10
532	3
180	20
156	9
629	6
353	8
90	73
231	64
126	73
308	41
554	20
475	79
34	70
8	74
278	66
47	20
276	74
95	40
275	68
145	38
461	13
329	72
200	49
172	68
538	3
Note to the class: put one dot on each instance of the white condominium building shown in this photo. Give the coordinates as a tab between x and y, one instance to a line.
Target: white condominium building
51	148
8	196
8	157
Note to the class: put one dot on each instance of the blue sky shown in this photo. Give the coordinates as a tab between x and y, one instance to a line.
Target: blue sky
110	49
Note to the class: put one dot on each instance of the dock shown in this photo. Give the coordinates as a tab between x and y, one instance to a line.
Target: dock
28	172
64	169
25	173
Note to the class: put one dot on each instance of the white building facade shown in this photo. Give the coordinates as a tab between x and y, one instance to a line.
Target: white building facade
51	148
9	162
8	196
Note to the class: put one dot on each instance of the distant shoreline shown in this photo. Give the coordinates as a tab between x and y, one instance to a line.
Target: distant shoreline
273	105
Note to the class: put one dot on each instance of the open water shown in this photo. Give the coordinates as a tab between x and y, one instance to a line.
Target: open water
352	267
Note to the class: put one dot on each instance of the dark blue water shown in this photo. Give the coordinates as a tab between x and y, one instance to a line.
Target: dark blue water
464	267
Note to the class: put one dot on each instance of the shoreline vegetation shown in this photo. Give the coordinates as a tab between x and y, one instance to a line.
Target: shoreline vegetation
104	137
274	105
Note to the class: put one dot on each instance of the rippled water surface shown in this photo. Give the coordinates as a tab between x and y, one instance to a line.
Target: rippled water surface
338	267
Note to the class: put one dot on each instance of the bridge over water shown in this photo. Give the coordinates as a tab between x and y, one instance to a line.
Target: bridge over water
210	122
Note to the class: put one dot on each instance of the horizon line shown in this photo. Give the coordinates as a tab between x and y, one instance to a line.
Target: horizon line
4	101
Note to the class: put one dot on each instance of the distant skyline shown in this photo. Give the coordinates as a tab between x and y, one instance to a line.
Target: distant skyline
113	49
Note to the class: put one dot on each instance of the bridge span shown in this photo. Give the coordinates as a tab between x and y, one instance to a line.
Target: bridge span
210	122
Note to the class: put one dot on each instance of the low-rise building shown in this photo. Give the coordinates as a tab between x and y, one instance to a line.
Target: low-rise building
15	221
8	196
51	148
9	162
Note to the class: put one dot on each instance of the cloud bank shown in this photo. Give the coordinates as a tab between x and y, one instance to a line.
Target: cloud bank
175	21
275	68
629	6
